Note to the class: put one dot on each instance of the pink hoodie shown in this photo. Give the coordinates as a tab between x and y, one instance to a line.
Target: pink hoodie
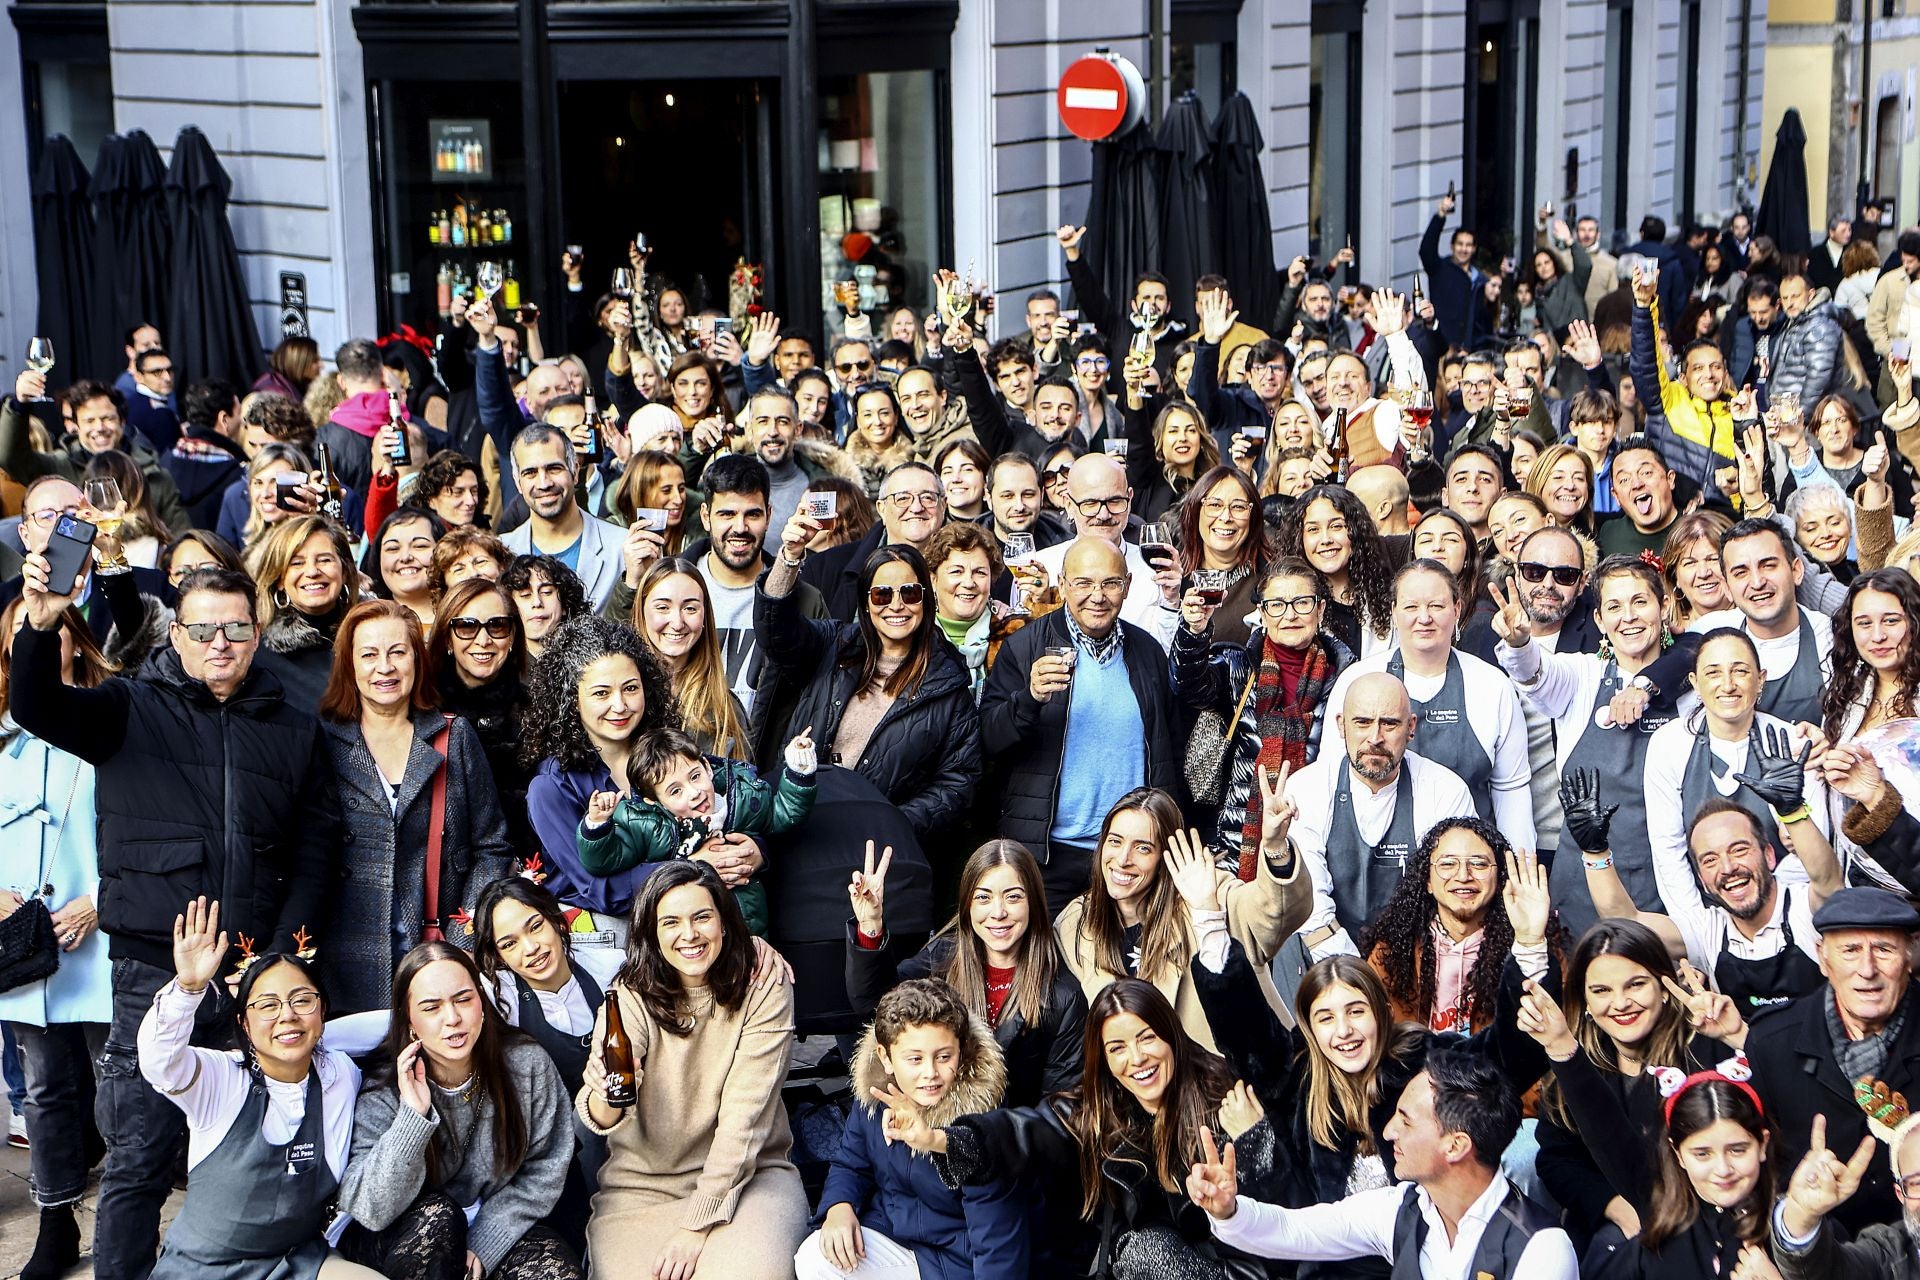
366	413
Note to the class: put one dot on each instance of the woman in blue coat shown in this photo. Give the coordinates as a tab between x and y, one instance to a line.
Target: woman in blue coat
883	1200
48	852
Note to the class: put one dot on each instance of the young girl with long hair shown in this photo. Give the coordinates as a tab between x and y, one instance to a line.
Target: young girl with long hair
1338	538
674	616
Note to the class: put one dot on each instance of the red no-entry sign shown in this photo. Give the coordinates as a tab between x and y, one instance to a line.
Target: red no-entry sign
1101	95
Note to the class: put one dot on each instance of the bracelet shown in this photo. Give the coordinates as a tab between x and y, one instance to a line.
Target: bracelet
1596	862
1798	815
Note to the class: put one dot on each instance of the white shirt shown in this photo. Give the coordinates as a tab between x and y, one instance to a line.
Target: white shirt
1493	713
565	1010
1709	931
1438	794
212	1087
1142	607
1776	656
1362	1226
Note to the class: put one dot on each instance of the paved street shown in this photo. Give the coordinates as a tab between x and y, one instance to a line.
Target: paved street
18	1216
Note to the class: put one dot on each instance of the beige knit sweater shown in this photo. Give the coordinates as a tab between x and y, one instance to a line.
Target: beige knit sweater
709	1115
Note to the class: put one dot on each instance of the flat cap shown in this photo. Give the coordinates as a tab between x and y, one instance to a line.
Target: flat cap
1866	909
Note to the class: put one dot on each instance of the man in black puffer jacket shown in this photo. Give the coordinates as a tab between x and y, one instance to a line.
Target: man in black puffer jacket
1071	739
208	784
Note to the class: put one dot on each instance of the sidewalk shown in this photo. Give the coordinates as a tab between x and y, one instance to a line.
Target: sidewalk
20	1221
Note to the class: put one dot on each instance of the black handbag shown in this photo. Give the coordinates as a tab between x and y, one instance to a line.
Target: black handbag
28	952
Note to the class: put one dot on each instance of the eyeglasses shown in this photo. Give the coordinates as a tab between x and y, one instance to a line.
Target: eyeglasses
204	632
1116	505
1107	586
857	366
1451	867
1221	506
1482	384
45	516
1564	575
302	1002
910	593
1298	605
1274	367
499	627
1909	1187
901	501
1094	364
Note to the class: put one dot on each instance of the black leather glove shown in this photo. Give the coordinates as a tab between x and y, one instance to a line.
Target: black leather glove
1773	772
1586	820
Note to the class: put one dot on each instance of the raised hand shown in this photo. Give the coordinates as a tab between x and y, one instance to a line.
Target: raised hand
868	893
1708	1011
1195	613
1277	810
1214	1183
1215	319
1240	1110
1510	621
1297	271
1191	866
799	534
1874	466
1773	772
198	945
1389	313
763	337
1587	821
1646	284
1562	233
1742	408
904	1121
1583	344
1070	237
1540	1018
1527	900
1824	1181
1748	458
801	756
1854	773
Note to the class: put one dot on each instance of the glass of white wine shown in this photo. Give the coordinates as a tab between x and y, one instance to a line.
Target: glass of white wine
1016	546
109	512
40	359
489	278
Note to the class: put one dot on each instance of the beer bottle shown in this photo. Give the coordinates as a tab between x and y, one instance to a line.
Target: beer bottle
616	1058
402	450
1338	447
587	447
333	494
1418	297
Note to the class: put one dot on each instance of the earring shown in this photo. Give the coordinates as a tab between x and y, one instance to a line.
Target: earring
1606	649
1666	636
280	599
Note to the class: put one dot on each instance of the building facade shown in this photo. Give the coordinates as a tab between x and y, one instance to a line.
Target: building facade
386	149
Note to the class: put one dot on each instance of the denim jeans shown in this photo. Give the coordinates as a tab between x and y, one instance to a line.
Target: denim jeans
60	1096
13	1071
143	1130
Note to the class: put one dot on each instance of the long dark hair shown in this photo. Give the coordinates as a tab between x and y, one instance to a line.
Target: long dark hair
1369	568
486	949
1039	954
442	664
1164	941
1665	1046
1110	1125
552	726
370	558
248	980
1675	1204
1253	549
905	680
1471	576
492	1079
1851	674
657	983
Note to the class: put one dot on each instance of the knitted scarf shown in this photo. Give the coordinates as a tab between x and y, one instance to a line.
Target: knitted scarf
1284	728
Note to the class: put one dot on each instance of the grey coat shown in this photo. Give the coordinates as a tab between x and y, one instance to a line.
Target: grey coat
385	855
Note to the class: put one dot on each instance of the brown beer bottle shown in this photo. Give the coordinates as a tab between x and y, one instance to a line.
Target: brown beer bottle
616	1058
333	494
1338	447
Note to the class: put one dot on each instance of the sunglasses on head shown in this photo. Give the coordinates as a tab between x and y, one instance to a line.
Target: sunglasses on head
1564	575
499	628
910	593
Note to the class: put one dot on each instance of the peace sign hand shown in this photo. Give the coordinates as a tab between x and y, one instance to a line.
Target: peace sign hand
1277	810
868	893
1824	1182
1773	772
1708	1011
904	1122
1528	902
1191	866
1214	1183
1510	622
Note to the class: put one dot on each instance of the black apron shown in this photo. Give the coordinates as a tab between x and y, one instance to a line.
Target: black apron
256	1210
1619	756
1364	876
569	1054
1758	987
1795	696
1444	735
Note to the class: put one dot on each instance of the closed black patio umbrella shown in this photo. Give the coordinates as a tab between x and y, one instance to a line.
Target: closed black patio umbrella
1123	224
1243	238
1783	201
63	255
210	329
132	251
1186	200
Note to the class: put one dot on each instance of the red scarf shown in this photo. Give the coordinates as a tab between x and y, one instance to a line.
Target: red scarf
1290	685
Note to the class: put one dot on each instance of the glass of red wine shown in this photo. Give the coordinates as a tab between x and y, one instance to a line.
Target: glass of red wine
1212	586
1156	545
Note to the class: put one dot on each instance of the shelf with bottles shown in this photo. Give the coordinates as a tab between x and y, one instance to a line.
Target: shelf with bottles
464	225
498	278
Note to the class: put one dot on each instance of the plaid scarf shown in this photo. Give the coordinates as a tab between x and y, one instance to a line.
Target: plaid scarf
1101	650
1859	1059
1284	728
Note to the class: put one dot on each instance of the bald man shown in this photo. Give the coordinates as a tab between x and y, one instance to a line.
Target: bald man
1078	711
1363	811
1100	504
1383	491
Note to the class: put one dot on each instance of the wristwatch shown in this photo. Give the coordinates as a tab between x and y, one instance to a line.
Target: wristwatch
1644	685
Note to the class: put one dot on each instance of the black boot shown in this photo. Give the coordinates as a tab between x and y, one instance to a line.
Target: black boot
58	1248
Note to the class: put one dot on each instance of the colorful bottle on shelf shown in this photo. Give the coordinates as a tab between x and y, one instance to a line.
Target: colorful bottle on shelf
510	288
443	290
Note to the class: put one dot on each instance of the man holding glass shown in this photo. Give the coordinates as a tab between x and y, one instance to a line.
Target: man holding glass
209	783
1101	506
912	509
98	424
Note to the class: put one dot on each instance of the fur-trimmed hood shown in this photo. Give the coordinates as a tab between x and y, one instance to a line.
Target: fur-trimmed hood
293	632
817	457
980	1086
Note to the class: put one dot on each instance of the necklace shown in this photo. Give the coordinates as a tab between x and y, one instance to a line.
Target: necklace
458	1086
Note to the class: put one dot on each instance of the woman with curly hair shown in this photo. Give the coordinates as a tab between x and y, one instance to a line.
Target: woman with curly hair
545	593
594	691
1338	538
449	484
1875	688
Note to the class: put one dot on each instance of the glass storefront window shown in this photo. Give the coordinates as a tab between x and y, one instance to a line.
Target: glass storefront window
1333	122
880	222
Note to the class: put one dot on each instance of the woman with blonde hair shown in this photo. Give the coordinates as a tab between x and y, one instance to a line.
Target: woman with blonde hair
674	615
1562	478
263	492
304	584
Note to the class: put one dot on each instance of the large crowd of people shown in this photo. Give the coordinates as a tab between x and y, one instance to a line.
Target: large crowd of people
1420	784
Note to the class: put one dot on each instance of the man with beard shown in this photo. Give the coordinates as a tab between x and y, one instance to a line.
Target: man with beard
1763	572
1643	487
1862	1026
924	413
1805	1248
543	461
1014	502
1606	268
1362	813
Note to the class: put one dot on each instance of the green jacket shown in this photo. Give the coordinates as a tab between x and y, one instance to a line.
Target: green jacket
19	459
642	831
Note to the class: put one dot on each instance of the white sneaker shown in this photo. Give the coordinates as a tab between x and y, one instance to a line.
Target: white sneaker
17	1132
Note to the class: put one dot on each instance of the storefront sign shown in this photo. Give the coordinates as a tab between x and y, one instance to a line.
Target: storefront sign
293	306
1101	96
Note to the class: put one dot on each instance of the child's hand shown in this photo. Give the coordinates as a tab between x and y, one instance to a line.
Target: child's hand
801	757
600	807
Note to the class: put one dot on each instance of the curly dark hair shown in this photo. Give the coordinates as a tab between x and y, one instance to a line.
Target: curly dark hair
438	474
552	724
520	572
1404	928
1851	674
1369	569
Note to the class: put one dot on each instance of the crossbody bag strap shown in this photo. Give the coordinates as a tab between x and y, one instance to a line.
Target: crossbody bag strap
1233	725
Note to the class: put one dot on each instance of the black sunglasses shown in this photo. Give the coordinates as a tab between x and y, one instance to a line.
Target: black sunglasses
500	628
910	593
860	365
1564	575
